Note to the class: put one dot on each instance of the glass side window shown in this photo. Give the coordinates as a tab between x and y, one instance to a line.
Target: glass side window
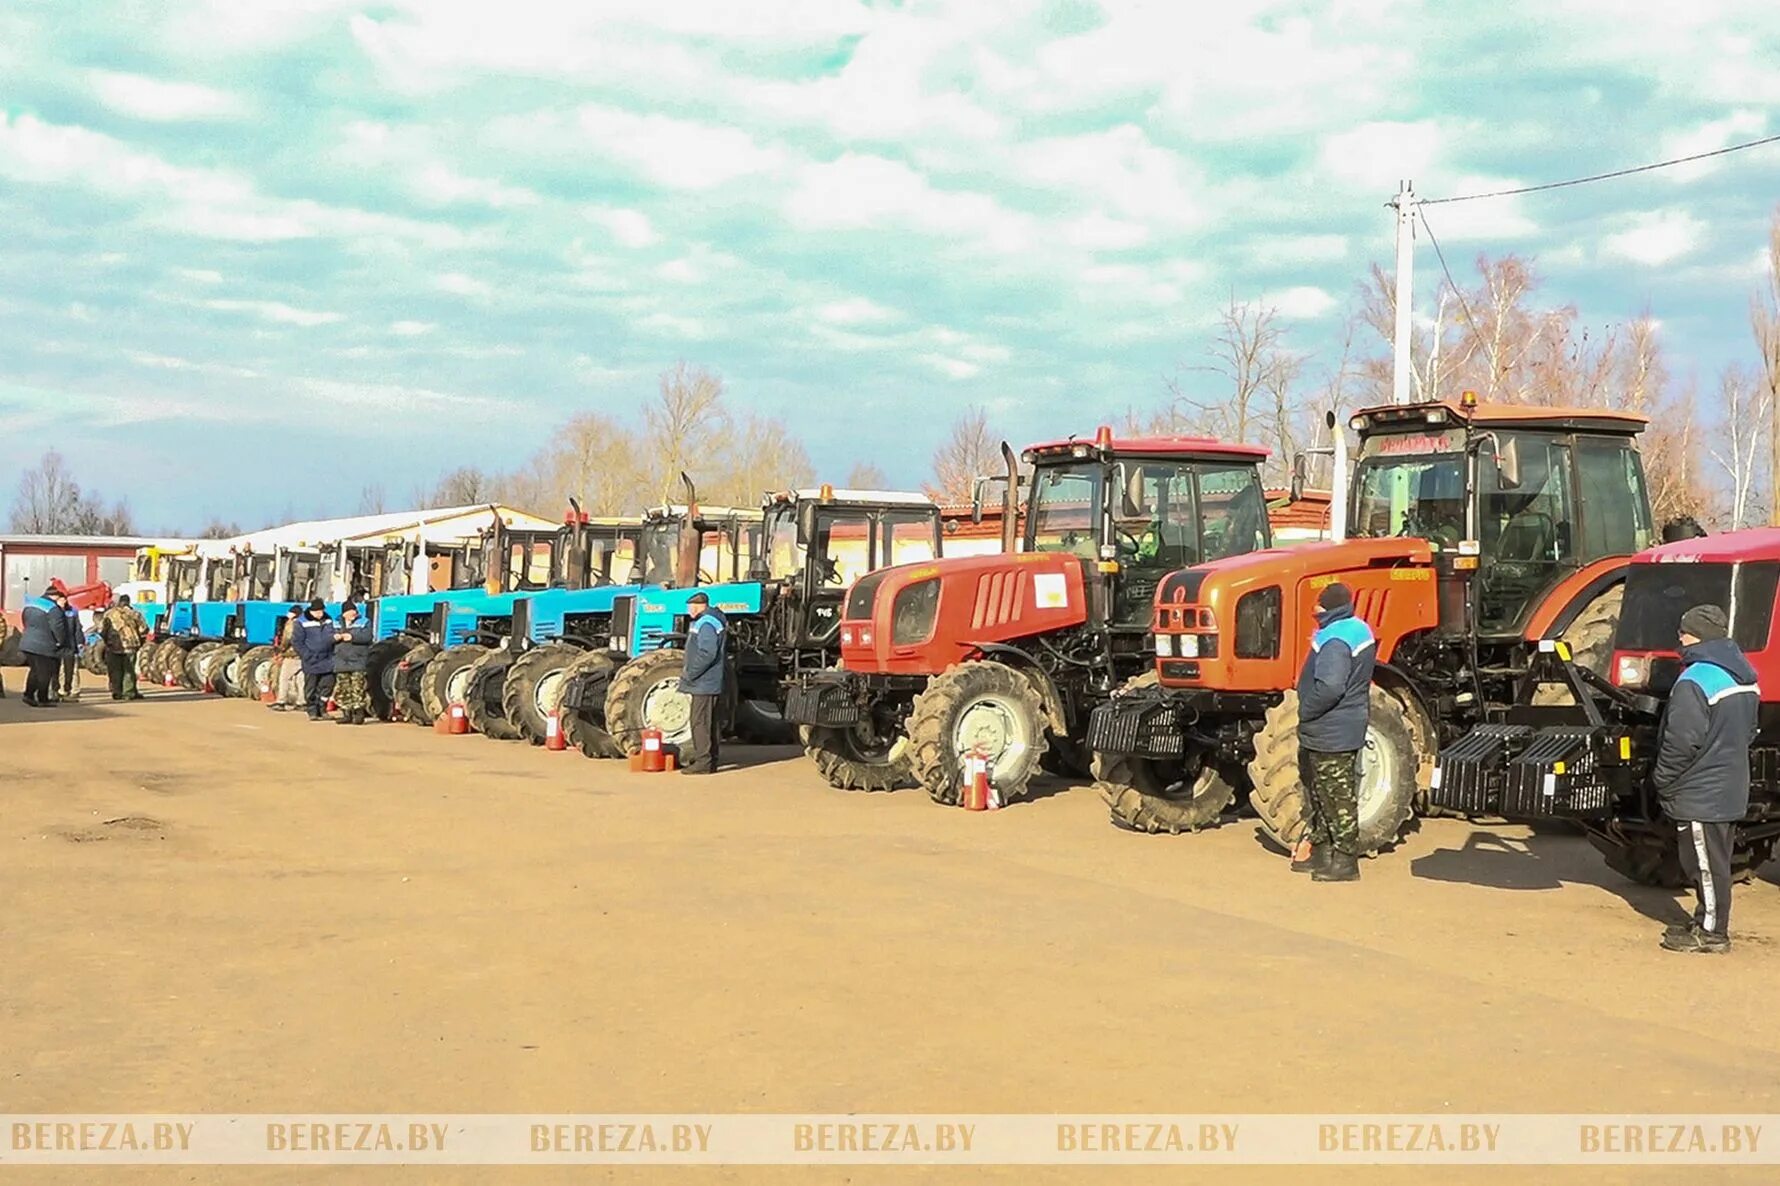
1156	519
305	571
1526	531
784	555
528	564
907	537
1065	510
842	546
1232	510
1420	497
1615	503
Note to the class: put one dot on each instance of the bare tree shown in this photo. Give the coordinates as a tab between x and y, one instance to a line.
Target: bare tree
760	456
866	476
371	500
464	486
217	529
592	458
1747	416
971	450
51	502
1764	319
1248	353
683	424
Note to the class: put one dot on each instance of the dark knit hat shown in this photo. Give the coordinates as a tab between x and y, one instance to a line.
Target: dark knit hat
318	603
1336	596
1707	623
699	599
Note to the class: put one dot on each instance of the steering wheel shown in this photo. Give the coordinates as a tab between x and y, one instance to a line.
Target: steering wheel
1127	542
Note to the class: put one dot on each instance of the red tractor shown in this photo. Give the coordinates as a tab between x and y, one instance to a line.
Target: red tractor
1589	761
1003	656
1474	532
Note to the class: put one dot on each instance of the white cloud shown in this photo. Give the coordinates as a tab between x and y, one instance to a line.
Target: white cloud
674	326
274	311
628	228
440	184
411	329
1297	250
1716	134
1376	155
676	153
1098	232
199	275
1301	303
1120	169
161	101
856	311
462	285
872	192
953	368
1656	237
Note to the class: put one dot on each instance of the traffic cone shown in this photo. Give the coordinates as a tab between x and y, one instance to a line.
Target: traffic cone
460	720
268	694
553	732
168	681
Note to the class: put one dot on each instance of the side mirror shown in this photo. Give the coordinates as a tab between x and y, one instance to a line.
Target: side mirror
1300	468
1508	465
976	499
806	523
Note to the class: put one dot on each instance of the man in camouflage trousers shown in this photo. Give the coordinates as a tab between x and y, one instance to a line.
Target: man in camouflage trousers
1334	711
352	654
122	628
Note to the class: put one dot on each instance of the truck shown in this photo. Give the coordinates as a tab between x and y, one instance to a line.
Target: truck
1473	532
1003	657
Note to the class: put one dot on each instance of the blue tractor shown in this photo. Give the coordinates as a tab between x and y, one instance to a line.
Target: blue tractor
783	619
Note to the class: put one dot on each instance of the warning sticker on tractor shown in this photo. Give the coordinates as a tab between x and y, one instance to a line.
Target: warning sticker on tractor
1050	590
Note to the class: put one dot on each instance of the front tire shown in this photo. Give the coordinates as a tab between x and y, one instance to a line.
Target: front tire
254	672
1590	638
983	705
382	667
853	758
584	727
646	694
410	680
447	678
482	699
1654	858
1388	769
533	686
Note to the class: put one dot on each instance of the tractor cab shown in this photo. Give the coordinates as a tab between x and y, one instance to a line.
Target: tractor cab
688	544
818	543
358	569
1738	571
595	551
1512	500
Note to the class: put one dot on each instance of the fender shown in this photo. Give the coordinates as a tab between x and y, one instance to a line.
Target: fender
1570	596
1028	666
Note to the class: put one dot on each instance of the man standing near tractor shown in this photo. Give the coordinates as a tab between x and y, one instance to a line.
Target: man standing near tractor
1334	710
122	628
1702	769
352	652
315	646
702	679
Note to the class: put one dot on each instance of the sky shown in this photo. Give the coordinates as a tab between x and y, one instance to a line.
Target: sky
260	255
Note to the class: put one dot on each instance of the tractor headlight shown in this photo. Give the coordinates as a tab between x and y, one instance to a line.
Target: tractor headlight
846	636
1165	646
1632	671
1188	646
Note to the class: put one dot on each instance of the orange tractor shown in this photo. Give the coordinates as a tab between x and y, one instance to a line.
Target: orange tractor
1474	531
1001	657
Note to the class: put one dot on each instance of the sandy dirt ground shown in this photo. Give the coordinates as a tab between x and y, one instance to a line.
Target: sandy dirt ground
211	907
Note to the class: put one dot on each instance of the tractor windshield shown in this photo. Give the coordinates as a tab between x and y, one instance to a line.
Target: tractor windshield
1421	496
182	579
302	576
1656	595
260	574
1065	509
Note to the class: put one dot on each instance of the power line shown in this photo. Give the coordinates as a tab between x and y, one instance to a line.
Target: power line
1450	282
1531	189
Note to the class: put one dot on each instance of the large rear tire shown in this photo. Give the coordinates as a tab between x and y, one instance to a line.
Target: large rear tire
447	679
645	693
1654	858
981	704
189	674
482	701
856	759
221	669
584	728
382	666
532	689
411	671
1388	773
756	722
92	658
1590	638
254	672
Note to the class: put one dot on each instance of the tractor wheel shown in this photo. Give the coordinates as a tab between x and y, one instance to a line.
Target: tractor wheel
382	666
584	728
1654	858
1146	795
1388	768
645	693
855	758
167	659
221	668
447	679
411	672
1590	638
145	663
254	672
92	659
978	705
189	672
758	722
533	686
482	696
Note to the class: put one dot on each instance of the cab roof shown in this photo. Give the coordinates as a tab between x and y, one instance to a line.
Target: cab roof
1385	417
1727	547
839	494
1165	446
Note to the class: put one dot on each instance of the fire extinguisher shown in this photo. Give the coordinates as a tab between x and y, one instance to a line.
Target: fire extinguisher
654	760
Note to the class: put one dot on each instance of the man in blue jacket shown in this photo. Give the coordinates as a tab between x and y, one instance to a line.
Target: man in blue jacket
1334	710
1702	769
707	645
45	638
314	645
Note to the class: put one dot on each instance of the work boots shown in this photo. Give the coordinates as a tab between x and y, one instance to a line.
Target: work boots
1341	866
1315	858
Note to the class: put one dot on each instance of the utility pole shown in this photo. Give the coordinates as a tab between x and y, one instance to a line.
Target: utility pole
1405	205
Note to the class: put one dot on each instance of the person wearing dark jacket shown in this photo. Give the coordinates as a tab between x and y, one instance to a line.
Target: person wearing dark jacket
314	645
70	665
45	638
1702	769
1334	711
707	645
352	655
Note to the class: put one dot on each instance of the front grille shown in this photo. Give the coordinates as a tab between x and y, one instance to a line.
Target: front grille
1180	669
1145	727
821	704
1533	789
1467	776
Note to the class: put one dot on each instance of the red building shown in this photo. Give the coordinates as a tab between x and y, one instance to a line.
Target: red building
29	562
